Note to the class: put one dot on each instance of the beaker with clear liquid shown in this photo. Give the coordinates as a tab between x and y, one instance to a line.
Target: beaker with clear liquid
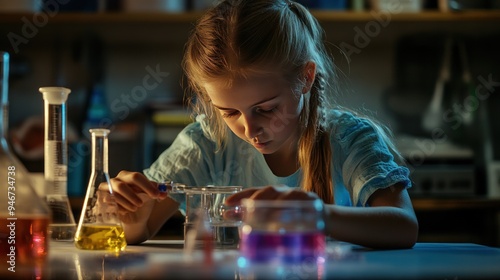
100	227
63	224
208	202
24	216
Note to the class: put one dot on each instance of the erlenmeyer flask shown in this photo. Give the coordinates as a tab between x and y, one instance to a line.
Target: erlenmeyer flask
99	227
24	216
63	224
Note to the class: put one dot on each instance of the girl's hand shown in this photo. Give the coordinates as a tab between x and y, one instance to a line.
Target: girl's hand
279	192
132	190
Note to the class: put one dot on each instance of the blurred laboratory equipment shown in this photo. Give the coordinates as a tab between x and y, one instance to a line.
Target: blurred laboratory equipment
433	116
100	227
406	6
62	227
20	6
154	5
24	216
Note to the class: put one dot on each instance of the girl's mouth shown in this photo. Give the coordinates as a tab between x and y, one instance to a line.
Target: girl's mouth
261	145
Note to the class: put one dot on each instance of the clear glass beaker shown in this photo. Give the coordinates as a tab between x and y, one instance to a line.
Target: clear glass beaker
24	216
209	201
63	224
100	227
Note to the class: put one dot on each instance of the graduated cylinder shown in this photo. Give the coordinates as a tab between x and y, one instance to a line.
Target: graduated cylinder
63	223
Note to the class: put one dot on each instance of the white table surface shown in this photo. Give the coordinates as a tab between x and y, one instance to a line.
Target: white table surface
164	259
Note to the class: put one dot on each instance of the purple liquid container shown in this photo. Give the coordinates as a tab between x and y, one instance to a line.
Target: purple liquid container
282	232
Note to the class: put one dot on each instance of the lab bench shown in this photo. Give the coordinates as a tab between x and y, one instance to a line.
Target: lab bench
166	259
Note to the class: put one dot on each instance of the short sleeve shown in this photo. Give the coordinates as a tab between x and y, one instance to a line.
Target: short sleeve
185	161
368	164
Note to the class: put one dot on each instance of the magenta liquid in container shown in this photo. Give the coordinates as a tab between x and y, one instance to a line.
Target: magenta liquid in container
282	232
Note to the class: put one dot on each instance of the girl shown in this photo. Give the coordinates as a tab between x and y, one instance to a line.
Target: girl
264	83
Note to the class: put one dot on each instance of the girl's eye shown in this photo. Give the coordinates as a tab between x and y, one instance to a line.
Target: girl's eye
265	111
229	115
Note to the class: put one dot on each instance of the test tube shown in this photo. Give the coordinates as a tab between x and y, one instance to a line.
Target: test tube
63	224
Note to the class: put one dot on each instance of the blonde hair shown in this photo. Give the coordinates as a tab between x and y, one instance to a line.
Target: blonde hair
236	38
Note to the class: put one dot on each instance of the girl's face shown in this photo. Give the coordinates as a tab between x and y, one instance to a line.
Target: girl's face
262	111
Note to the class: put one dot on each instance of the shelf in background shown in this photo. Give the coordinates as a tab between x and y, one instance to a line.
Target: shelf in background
107	18
172	29
427	16
189	17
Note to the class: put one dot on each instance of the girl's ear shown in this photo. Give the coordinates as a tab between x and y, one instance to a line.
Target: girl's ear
309	76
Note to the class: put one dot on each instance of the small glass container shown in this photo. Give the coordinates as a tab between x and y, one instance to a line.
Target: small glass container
209	201
99	227
282	232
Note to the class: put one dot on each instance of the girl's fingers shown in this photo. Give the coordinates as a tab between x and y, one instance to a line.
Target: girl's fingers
278	192
230	213
263	193
124	203
267	193
296	195
236	198
125	191
162	195
131	184
139	183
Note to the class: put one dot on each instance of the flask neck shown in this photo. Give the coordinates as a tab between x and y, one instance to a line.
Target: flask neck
4	121
4	97
99	153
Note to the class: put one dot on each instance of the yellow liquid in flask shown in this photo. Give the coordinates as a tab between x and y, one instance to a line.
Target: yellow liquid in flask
101	237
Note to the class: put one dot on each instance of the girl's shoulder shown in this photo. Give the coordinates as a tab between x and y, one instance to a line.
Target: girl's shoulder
344	124
195	132
339	116
338	120
199	128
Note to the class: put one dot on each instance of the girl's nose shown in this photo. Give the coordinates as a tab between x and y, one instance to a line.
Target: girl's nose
252	126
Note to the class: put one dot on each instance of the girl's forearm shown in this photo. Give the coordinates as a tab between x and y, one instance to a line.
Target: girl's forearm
374	227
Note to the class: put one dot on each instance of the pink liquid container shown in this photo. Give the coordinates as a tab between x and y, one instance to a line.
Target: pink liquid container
282	232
